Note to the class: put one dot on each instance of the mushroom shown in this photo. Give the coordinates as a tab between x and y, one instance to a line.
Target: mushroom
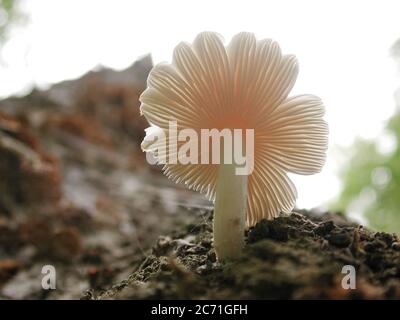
242	86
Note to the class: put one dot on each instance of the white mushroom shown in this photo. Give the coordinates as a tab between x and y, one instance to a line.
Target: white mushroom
242	86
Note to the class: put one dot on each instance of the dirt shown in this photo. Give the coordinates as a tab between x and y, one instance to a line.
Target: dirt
298	256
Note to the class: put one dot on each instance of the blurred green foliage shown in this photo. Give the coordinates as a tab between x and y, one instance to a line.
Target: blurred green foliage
371	179
371	182
9	14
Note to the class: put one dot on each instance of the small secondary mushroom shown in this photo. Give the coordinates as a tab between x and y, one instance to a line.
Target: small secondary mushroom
244	85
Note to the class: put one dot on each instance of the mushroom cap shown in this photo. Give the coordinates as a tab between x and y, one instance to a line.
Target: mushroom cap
244	85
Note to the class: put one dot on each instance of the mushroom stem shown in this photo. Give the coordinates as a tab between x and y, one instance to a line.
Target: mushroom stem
229	212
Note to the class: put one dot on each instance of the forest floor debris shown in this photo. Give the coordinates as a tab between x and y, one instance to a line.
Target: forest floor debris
291	257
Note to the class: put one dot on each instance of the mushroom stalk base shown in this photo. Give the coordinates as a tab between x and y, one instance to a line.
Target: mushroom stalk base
229	213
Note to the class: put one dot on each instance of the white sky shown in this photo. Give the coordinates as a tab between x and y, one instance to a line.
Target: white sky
342	48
